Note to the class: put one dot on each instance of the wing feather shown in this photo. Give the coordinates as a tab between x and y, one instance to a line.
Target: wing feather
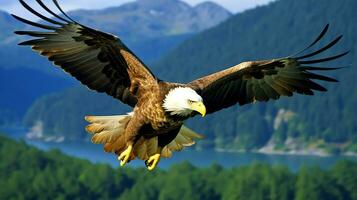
95	58
264	80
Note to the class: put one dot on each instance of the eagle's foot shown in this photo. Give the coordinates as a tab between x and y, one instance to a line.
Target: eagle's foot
152	162
125	155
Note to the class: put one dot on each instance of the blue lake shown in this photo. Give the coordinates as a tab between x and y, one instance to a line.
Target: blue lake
203	158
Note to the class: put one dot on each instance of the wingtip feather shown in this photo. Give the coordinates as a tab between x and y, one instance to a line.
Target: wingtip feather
61	10
321	35
324	59
51	12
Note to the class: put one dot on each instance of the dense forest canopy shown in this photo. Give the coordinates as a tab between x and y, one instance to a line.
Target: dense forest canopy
28	173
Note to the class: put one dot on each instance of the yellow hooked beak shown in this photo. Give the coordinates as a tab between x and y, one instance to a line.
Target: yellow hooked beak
199	107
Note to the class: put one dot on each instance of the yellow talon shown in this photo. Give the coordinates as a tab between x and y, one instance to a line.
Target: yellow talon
125	155
152	162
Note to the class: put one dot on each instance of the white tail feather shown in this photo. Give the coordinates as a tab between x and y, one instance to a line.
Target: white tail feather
109	129
106	129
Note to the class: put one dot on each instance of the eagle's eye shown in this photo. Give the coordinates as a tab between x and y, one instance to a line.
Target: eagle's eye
191	101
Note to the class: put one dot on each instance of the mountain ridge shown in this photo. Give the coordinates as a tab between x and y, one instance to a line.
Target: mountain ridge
155	18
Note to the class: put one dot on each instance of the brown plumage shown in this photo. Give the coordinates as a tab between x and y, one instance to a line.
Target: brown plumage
155	127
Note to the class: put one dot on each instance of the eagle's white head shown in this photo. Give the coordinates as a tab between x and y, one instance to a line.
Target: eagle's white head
184	101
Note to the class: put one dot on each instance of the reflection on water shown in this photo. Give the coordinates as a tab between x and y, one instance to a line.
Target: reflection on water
203	158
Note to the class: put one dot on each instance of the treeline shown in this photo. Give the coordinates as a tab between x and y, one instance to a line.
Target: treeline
325	121
28	173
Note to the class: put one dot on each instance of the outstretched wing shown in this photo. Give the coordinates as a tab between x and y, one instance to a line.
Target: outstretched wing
98	60
264	80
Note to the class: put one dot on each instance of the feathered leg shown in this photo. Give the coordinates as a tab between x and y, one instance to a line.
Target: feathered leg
131	138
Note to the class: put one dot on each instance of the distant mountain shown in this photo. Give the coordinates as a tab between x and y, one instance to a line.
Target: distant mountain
154	18
151	28
325	121
7	23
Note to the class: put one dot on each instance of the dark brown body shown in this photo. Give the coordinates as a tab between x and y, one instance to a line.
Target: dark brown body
149	118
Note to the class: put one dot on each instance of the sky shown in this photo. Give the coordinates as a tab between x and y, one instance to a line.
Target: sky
234	6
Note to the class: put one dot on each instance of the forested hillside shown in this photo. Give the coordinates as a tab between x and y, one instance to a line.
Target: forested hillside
21	87
277	30
49	110
325	121
28	173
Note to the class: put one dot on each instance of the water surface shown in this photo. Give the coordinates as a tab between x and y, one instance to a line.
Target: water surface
203	158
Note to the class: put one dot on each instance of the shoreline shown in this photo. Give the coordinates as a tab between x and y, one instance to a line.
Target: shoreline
266	150
263	150
319	153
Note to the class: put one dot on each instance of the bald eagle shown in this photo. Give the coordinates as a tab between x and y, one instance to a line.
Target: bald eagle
154	129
